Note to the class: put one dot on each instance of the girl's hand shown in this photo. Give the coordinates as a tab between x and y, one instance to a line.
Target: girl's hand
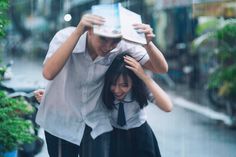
135	67
88	20
146	29
39	94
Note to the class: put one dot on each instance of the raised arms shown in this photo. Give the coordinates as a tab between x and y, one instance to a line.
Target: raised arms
55	63
161	98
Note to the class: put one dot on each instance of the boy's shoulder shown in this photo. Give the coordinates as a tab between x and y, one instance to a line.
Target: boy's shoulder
66	31
62	35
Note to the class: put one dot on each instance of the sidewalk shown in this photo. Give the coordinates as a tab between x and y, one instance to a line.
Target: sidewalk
196	100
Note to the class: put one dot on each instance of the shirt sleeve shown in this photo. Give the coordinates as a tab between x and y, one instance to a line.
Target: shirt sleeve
135	50
57	40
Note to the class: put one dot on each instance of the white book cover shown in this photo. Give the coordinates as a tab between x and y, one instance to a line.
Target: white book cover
118	23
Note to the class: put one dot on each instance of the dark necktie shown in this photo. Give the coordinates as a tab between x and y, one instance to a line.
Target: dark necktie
121	115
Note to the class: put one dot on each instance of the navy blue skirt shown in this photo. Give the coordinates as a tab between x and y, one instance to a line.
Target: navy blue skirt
136	142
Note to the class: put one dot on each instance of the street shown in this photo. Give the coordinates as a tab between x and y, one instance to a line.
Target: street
180	133
184	133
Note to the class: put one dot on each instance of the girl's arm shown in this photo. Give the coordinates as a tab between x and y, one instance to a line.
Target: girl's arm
162	100
38	94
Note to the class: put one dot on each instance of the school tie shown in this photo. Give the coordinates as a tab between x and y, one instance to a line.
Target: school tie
121	115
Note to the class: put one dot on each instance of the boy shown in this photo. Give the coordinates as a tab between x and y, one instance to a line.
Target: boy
71	111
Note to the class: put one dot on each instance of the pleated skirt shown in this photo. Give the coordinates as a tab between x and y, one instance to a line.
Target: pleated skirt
135	142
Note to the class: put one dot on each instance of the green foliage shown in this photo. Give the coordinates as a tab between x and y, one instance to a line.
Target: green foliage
2	72
224	78
3	16
14	129
227	33
208	26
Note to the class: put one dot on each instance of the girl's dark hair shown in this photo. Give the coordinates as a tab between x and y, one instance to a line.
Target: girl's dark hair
116	69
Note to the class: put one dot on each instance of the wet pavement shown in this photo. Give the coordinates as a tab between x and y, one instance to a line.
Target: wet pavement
183	133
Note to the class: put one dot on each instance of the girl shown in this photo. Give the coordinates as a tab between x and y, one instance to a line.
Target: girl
125	95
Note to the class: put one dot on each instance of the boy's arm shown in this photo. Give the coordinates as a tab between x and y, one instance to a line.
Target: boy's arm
55	63
157	62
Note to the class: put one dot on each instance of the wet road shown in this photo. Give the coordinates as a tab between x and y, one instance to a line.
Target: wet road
181	133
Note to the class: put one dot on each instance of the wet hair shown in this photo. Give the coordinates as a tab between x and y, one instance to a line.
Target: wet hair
116	69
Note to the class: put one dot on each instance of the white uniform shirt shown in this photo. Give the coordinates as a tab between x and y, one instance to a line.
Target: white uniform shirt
134	115
73	98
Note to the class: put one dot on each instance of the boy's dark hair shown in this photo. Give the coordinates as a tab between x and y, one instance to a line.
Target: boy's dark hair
116	69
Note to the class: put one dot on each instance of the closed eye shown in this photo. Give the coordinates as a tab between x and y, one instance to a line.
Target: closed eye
104	39
124	85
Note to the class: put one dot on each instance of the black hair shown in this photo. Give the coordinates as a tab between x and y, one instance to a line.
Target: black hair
114	40
116	69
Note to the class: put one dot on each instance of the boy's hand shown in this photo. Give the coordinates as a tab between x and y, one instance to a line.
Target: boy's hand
88	20
146	29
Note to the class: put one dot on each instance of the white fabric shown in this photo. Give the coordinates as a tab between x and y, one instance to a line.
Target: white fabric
134	115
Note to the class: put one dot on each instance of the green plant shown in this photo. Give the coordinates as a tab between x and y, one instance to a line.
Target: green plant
223	78
3	16
2	72
4	4
15	130
219	44
208	26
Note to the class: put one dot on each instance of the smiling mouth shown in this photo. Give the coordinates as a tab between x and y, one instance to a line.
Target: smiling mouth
119	96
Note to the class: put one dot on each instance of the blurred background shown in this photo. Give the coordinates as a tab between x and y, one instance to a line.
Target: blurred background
197	37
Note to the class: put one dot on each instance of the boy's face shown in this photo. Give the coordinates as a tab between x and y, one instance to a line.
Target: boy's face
102	45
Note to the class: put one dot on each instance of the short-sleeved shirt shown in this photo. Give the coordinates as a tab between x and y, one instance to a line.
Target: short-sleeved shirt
73	98
134	115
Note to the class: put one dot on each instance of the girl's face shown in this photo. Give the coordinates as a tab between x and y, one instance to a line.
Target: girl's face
121	87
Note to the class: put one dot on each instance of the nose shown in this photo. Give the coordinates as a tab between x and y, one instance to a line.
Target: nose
116	89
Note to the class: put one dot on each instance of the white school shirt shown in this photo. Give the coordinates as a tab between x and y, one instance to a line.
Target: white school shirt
73	98
134	115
